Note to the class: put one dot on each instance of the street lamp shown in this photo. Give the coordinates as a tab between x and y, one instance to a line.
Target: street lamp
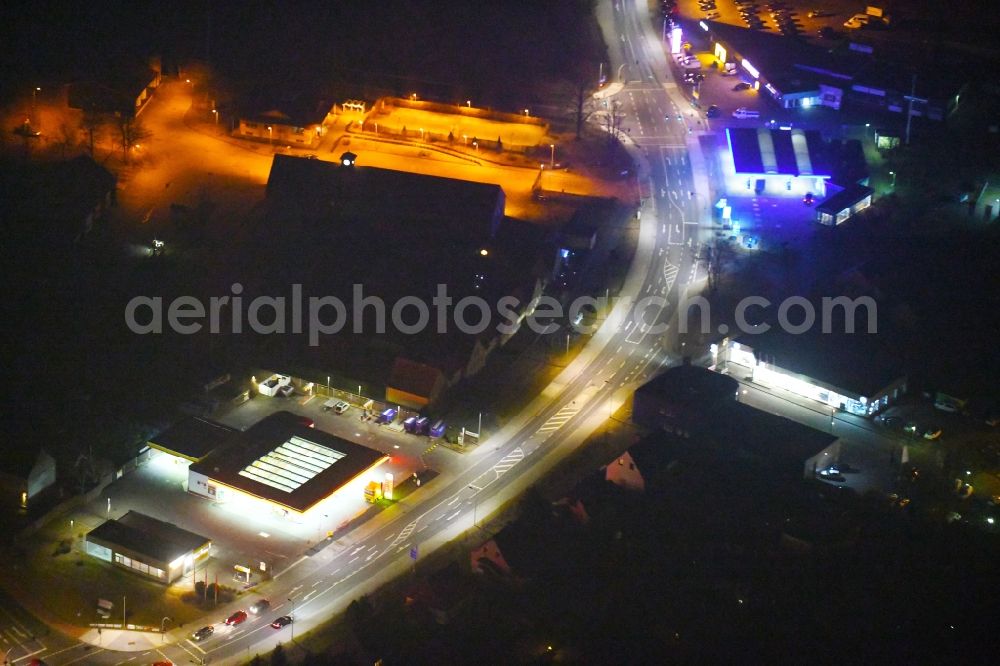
552	156
270	135
421	133
468	103
216	112
163	621
33	94
893	174
526	112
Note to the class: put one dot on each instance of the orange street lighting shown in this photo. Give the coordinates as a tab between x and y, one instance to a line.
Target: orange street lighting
413	96
216	112
525	112
484	252
468	103
552	156
270	135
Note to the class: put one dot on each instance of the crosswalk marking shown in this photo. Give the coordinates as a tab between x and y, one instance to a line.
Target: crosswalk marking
559	418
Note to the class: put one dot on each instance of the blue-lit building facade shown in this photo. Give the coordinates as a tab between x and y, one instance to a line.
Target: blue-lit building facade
777	162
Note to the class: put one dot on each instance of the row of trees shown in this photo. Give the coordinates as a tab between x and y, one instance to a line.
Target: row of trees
88	129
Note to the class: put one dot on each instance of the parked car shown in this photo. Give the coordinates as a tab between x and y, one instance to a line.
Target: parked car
808	199
891	421
712	112
742	85
282	621
259	607
286	391
744	113
203	633
819	13
831	474
236	618
856	21
341	407
932	432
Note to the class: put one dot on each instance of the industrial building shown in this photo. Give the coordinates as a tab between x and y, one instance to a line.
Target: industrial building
420	234
146	546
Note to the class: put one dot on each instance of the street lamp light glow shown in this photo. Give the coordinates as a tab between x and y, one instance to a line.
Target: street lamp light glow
484	252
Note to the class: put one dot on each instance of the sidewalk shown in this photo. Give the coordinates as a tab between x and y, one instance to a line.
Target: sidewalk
130	641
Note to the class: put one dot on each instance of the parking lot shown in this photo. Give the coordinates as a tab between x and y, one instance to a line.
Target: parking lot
55	555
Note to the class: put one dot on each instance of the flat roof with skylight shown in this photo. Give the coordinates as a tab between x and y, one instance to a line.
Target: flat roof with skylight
283	462
292	464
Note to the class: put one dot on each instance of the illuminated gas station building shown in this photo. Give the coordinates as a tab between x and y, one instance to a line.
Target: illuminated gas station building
284	467
778	162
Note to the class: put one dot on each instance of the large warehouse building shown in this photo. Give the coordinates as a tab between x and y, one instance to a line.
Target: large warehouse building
278	466
283	466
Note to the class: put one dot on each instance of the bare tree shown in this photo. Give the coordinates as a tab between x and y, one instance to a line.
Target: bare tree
67	139
131	132
714	256
612	122
92	122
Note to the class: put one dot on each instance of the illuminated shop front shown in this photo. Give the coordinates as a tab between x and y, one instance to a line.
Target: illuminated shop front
735	355
283	468
148	547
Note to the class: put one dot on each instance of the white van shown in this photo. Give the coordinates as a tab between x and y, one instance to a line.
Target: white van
743	113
